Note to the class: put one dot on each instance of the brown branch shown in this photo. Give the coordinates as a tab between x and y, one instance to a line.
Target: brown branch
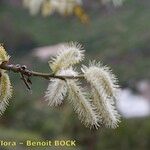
24	71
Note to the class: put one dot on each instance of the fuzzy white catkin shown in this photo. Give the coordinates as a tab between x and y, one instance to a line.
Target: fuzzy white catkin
5	85
81	103
5	91
104	91
69	55
105	107
103	76
56	90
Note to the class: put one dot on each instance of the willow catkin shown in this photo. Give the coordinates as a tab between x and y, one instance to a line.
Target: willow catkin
4	57
5	91
104	90
5	85
81	103
102	76
105	107
69	55
56	90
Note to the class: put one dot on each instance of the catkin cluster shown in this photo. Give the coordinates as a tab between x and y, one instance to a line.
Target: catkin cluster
5	85
62	7
95	108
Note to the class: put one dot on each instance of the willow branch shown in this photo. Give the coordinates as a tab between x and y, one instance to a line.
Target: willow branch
24	71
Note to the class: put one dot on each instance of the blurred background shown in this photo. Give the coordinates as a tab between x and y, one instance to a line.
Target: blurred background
117	36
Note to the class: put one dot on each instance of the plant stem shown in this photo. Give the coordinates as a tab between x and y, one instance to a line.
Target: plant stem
23	70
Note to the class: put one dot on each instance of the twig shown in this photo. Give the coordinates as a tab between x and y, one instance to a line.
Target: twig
25	81
24	71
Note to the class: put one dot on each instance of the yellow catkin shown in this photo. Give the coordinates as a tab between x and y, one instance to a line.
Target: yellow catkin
5	90
3	55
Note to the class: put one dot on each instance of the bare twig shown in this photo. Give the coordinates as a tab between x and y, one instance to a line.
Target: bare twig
24	71
25	81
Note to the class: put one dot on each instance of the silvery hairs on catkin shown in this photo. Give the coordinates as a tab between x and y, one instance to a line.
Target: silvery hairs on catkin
104	90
